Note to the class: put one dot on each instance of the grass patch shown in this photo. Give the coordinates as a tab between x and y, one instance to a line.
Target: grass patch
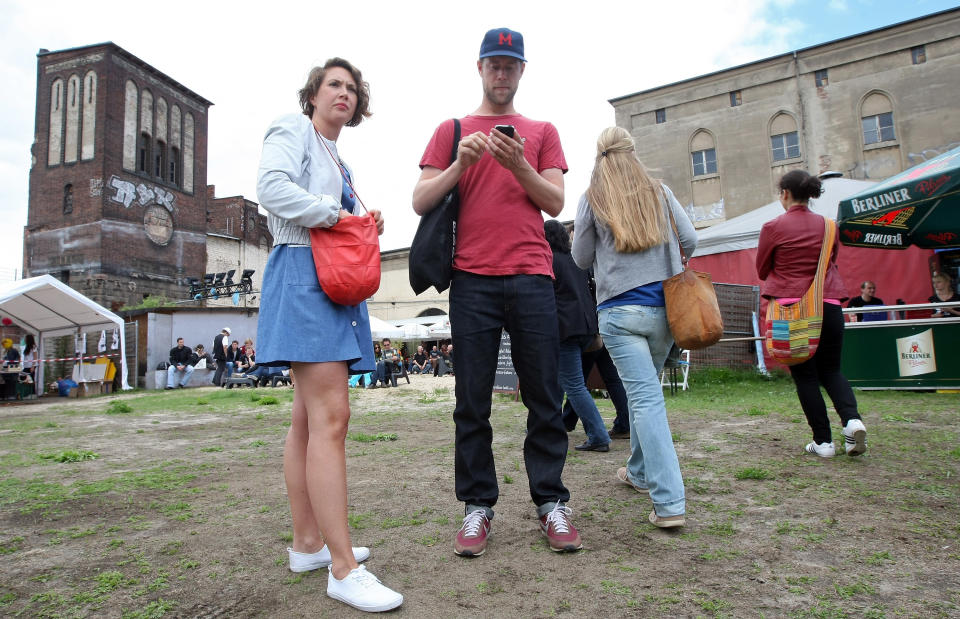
118	407
753	473
362	437
11	546
70	455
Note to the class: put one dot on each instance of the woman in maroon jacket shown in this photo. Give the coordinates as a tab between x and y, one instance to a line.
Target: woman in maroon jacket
787	257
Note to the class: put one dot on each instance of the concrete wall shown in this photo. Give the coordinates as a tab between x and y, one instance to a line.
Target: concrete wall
922	98
195	328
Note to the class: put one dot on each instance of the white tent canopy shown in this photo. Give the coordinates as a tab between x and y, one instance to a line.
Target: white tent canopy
380	329
743	232
47	307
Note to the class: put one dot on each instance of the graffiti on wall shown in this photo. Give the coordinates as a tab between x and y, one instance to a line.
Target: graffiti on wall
930	153
126	193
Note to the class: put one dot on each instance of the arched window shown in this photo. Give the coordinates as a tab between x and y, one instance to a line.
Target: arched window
130	103
89	127
67	199
784	140
188	152
71	136
703	154
876	117
55	138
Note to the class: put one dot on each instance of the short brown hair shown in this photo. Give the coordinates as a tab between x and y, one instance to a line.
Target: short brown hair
315	79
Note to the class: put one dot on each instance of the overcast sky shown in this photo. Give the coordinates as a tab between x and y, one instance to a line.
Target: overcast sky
420	61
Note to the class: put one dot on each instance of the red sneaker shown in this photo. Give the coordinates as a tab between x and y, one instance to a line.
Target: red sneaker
560	532
472	536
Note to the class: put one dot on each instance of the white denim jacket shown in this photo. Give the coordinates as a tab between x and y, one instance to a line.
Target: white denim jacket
298	183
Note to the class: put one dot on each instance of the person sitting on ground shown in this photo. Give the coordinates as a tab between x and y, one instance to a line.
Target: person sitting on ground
420	363
866	299
444	363
943	292
179	364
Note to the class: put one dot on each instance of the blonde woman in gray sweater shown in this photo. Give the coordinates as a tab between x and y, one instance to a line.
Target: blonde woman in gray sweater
623	232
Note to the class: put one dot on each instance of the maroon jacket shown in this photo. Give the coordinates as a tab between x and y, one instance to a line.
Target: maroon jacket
788	252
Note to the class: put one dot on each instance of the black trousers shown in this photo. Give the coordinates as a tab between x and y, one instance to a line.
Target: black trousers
480	306
823	369
218	375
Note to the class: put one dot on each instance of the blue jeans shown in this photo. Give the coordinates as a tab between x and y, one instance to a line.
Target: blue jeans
638	339
524	305
172	372
571	381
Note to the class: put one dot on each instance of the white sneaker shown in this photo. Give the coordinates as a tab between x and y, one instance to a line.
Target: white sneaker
824	450
855	437
363	591
307	561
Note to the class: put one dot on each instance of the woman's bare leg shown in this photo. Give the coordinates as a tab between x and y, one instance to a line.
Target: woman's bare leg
315	464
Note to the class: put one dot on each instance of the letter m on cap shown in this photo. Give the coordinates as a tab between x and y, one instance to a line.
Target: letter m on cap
506	38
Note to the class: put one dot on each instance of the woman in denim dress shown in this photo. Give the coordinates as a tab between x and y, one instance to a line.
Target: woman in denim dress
303	184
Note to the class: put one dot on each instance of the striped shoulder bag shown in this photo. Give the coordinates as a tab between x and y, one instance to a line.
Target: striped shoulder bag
793	331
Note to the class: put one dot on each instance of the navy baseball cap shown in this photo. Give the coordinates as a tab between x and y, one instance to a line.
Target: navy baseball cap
502	42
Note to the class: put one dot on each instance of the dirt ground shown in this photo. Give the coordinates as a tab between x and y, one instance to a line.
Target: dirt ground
177	508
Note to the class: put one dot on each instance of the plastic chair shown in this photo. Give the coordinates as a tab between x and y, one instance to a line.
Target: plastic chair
674	366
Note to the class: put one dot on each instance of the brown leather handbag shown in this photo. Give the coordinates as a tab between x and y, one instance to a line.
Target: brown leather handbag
692	310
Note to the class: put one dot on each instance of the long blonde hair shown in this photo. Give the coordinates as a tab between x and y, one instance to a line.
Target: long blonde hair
623	196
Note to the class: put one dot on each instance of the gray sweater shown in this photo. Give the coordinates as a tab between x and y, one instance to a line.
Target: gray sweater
617	272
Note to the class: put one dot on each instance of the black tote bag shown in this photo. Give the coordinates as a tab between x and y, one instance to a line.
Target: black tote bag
431	254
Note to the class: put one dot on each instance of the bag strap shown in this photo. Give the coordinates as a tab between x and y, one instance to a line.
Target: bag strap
676	233
343	170
814	294
456	140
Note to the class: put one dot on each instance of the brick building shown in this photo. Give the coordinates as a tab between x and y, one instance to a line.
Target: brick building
119	206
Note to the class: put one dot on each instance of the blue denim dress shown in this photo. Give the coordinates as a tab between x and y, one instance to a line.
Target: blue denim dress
298	323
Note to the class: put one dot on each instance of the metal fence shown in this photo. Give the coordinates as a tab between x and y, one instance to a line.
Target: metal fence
738	305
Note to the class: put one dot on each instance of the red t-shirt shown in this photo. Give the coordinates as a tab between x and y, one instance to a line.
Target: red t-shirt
500	230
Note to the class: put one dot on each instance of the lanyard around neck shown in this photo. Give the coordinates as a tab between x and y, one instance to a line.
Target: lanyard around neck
343	170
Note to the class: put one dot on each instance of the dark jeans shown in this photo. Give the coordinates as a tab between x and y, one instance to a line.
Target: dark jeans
524	305
385	370
611	380
221	368
824	369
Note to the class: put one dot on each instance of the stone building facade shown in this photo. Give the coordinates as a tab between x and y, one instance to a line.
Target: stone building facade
118	199
868	106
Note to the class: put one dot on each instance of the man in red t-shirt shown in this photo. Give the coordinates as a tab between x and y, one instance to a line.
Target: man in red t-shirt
503	279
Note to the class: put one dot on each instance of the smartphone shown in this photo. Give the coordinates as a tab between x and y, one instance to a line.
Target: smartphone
506	130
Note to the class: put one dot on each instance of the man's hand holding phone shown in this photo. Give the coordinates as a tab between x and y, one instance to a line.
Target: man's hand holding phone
506	147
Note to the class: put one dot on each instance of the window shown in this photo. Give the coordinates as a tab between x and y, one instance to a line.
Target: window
159	159
878	128
785	146
918	54
174	176
735	98
144	153
704	162
661	116
820	77
67	199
